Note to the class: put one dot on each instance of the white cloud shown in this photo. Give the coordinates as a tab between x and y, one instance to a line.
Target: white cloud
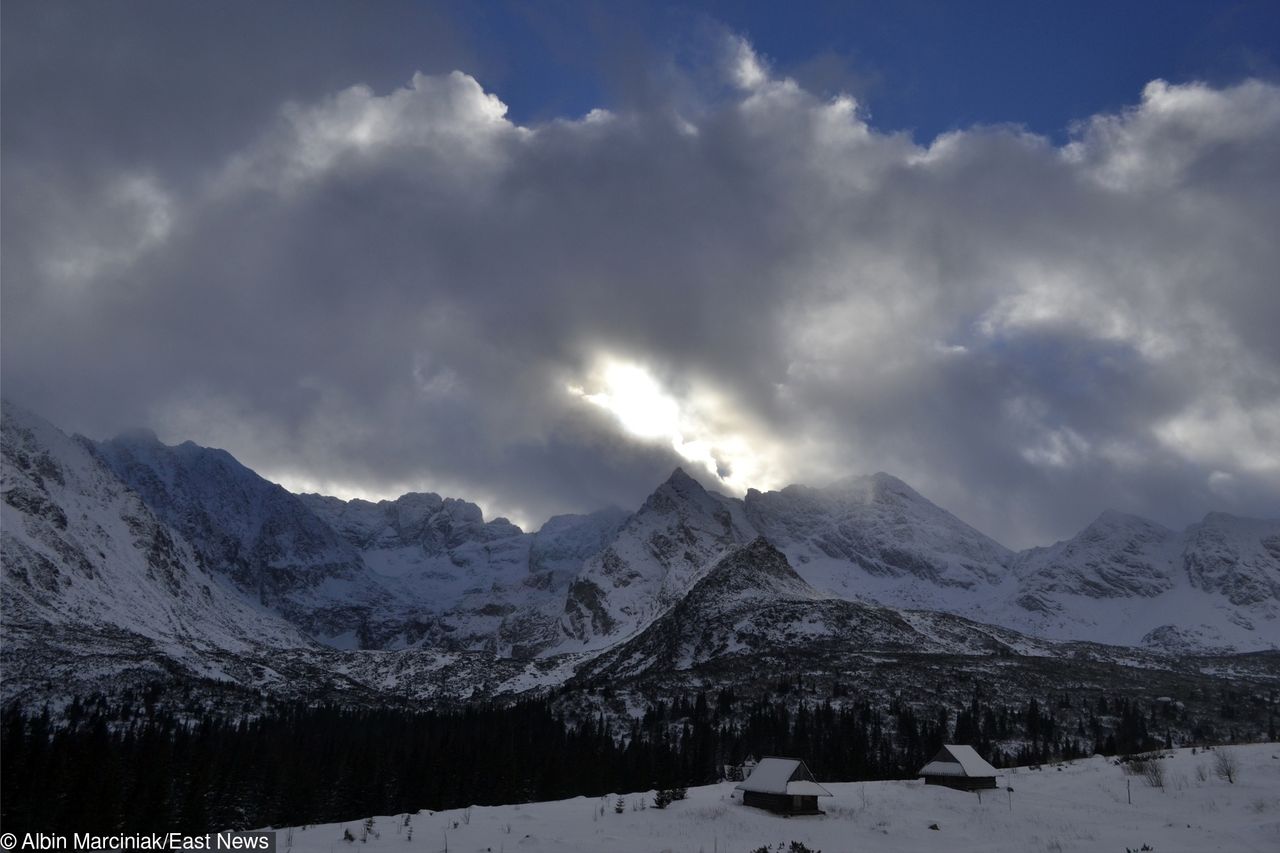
396	288
1218	430
130	216
447	117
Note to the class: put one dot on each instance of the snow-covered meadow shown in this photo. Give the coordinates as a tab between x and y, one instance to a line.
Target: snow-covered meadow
1081	806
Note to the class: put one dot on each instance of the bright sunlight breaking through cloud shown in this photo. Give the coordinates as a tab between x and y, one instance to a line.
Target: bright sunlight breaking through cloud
700	427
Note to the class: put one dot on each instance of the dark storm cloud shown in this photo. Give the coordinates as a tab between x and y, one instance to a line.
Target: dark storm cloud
374	288
170	86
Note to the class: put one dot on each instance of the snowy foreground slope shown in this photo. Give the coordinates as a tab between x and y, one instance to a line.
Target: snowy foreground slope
1080	806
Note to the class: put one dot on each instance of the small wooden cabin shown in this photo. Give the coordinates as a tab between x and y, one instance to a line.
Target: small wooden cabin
738	772
782	785
959	767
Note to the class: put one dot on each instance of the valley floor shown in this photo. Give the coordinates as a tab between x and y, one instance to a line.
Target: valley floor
1080	806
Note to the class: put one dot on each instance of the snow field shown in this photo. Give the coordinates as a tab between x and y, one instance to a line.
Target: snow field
1083	806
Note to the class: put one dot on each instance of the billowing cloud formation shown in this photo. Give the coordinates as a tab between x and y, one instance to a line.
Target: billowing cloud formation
405	289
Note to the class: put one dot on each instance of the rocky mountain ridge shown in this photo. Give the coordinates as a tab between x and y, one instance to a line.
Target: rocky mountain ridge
458	604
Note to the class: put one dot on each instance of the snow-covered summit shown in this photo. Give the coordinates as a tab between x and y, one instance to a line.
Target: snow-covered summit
881	525
657	556
1116	556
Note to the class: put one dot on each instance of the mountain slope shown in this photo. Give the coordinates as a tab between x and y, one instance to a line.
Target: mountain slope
1129	581
129	557
97	588
752	604
262	537
436	549
1235	557
876	539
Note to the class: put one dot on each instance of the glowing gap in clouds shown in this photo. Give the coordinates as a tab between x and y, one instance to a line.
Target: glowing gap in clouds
699	428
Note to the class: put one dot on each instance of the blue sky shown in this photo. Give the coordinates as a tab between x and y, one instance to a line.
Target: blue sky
927	66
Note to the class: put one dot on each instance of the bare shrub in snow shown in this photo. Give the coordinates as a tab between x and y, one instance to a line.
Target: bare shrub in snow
1153	772
1147	766
1226	765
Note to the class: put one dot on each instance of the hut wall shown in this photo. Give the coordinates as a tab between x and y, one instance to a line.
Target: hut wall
773	802
962	783
781	803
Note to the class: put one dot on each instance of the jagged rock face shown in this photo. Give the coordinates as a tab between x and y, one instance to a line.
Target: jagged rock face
452	575
657	556
1117	556
1237	557
255	532
557	554
427	521
438	548
881	526
1129	581
473	585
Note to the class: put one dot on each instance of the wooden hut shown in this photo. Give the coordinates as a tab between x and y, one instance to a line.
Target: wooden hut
784	786
959	767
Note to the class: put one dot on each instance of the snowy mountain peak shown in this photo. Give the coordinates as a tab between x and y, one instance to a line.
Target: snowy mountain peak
1236	557
879	526
681	490
140	436
870	488
1116	556
680	479
755	570
1115	520
657	556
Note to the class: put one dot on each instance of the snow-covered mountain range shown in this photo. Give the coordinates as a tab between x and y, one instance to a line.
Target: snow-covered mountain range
180	558
94	580
1123	580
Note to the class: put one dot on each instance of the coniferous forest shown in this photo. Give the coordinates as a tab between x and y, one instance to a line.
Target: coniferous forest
136	766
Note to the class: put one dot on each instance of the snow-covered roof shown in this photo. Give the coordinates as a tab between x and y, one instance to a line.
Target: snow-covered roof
805	788
782	776
957	760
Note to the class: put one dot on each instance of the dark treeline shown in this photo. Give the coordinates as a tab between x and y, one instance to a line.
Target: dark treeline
136	766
